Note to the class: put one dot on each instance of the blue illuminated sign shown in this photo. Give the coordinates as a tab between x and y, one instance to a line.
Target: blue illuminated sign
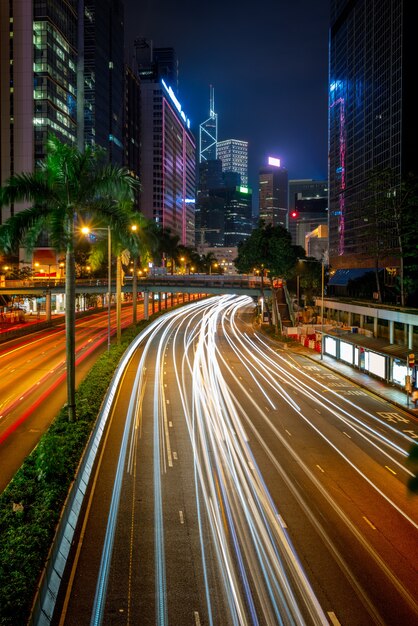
176	103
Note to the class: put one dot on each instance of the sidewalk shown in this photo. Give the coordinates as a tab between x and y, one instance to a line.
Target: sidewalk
389	392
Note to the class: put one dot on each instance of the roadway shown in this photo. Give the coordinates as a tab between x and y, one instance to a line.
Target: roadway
32	384
241	484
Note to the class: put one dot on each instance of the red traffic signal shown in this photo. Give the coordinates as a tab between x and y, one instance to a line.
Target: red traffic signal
294	214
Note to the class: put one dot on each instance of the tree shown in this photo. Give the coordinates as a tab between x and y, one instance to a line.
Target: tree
309	273
208	263
168	246
268	247
139	243
392	226
67	186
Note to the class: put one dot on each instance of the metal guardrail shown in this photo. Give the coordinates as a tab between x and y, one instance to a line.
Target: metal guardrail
44	605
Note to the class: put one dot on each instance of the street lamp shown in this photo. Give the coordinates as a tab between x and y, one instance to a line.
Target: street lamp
86	230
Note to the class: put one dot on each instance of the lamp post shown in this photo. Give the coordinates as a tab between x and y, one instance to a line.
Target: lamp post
322	297
86	230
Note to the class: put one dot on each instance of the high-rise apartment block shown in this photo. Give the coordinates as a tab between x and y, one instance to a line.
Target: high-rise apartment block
373	124
234	156
273	193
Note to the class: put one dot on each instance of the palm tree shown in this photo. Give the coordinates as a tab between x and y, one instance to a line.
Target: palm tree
168	246
137	242
68	186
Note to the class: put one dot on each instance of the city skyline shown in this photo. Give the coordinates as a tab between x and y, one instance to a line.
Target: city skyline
269	71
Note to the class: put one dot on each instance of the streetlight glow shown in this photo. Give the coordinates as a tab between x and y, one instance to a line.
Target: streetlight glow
86	230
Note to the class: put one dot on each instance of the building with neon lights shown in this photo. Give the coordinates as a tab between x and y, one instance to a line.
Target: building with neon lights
372	124
208	133
234	156
273	193
168	157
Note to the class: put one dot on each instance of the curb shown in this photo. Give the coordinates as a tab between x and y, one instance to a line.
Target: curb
362	385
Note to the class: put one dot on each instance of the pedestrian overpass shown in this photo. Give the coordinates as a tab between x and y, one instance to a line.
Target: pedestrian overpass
193	283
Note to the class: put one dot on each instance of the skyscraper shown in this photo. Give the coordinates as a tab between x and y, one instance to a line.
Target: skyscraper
308	208
38	82
372	123
104	76
168	161
132	123
156	63
208	133
234	156
273	193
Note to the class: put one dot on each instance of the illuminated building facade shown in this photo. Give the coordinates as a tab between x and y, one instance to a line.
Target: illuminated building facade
132	125
225	215
38	82
208	133
234	156
308	208
104	76
168	161
273	193
372	121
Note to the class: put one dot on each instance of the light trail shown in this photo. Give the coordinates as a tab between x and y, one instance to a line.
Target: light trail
262	576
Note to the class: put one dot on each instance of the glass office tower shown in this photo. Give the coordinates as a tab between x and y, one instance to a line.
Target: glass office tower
234	156
372	122
38	81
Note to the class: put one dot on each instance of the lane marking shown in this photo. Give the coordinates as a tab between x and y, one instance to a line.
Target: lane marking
346	434
181	517
369	522
320	468
282	522
289	433
175	456
333	618
197	618
390	470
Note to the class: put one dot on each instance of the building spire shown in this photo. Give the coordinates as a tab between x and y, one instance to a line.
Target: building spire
208	132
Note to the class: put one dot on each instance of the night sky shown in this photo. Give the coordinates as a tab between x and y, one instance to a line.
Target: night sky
268	63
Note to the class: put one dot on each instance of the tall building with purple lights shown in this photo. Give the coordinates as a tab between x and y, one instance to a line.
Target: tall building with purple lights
372	123
168	158
273	193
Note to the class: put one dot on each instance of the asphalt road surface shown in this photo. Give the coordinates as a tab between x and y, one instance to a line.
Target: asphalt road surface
242	484
32	382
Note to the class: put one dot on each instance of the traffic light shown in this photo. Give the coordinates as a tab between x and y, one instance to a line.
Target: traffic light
294	214
411	360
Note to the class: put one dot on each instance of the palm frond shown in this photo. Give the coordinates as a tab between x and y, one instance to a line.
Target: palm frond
27	187
21	228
